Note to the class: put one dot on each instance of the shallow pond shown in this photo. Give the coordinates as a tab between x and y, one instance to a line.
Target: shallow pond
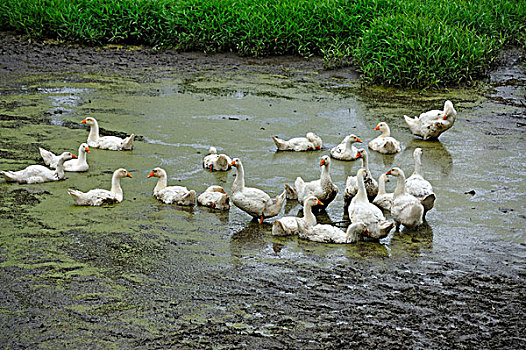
148	275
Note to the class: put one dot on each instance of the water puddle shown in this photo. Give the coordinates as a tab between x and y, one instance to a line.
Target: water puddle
161	275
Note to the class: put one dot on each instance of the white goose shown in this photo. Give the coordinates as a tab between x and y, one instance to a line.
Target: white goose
406	208
112	143
418	186
310	230
214	197
252	200
80	164
311	142
323	189
383	199
216	162
385	143
351	185
361	210
38	173
286	226
98	197
345	150
179	195
430	125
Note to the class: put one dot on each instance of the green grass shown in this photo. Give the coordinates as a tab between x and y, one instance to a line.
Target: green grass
411	43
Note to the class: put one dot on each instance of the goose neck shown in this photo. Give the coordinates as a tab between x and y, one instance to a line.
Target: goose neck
94	132
116	186
239	181
362	193
400	185
308	216
162	183
381	185
418	164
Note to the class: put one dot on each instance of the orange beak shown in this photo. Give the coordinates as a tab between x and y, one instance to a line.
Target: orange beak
213	205
377	128
367	233
358	156
223	191
83	122
320	202
128	174
150	174
211	167
445	117
388	173
233	163
261	219
318	148
358	139
322	162
74	156
87	149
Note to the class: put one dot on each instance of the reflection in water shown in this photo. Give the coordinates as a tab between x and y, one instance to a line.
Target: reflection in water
249	241
412	242
433	152
387	160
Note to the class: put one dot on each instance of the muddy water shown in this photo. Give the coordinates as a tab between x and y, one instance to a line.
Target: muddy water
147	275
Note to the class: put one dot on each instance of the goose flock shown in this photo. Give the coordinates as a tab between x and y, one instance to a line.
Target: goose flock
365	199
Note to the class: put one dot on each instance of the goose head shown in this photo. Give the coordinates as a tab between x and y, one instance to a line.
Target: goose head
358	228
311	201
383	178
395	172
84	146
325	161
353	138
89	121
68	156
382	126
315	139
235	162
212	150
417	153
449	110
121	172
361	153
157	172
215	188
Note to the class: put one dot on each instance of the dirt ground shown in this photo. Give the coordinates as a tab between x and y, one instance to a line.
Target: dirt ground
459	305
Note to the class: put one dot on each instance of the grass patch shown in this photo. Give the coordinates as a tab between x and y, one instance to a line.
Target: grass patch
403	50
451	35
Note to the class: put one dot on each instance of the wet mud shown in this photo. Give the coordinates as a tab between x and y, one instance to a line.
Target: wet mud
146	275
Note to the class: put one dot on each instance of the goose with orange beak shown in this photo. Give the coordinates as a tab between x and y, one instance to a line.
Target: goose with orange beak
311	142
79	164
98	196
323	233
251	200
216	162
406	208
39	173
179	195
214	197
112	143
346	150
430	125
385	143
323	188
